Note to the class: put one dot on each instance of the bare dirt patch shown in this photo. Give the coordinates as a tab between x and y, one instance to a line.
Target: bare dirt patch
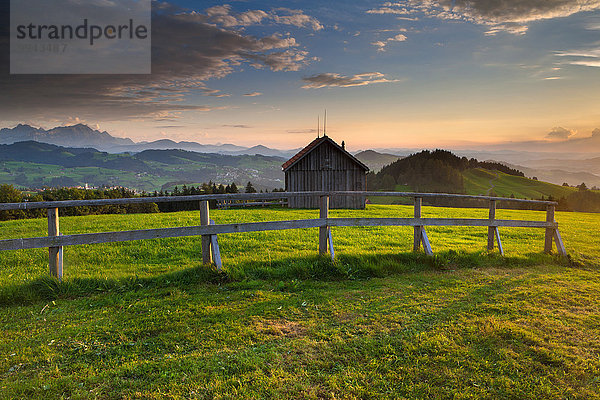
282	328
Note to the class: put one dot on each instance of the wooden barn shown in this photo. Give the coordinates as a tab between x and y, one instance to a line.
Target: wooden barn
324	165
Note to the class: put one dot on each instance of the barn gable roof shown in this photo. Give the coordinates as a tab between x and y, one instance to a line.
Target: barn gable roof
313	145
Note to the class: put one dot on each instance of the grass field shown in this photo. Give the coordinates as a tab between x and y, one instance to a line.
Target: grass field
479	181
146	320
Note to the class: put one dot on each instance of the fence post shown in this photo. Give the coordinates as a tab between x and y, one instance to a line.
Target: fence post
491	230
324	230
54	253
549	231
417	229
216	252
205	220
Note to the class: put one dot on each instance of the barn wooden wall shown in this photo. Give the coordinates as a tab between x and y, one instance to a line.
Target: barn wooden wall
326	168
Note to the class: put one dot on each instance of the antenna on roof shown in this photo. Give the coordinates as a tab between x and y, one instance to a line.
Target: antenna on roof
325	124
318	125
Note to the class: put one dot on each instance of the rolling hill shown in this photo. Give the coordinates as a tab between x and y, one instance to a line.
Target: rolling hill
479	181
442	171
375	160
34	165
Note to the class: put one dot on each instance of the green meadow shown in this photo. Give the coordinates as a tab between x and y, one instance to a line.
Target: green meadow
480	181
147	320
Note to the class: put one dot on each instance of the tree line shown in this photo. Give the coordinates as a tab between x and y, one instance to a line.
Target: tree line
10	194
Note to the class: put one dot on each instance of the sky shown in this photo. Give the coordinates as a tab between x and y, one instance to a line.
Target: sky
400	74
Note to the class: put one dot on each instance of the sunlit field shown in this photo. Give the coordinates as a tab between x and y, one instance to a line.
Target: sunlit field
145	319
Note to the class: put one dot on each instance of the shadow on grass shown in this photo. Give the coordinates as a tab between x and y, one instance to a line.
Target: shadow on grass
318	268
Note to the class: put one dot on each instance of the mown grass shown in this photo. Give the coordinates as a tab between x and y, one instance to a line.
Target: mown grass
146	320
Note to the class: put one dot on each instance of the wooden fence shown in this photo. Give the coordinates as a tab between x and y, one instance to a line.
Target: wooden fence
227	204
55	241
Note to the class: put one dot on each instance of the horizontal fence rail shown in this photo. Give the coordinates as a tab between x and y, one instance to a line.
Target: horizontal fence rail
250	196
209	231
161	233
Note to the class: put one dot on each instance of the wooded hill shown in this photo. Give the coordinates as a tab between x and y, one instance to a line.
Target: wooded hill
431	171
443	172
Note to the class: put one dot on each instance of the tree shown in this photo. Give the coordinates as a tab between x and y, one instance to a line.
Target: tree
565	184
388	182
9	194
250	188
582	187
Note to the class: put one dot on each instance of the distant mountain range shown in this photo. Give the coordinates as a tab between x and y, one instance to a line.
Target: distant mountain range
572	172
81	135
570	165
575	144
374	160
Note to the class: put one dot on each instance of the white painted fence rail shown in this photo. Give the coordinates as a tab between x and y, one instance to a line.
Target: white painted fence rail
55	241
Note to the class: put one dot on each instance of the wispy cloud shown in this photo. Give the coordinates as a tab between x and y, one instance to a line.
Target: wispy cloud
336	80
253	94
586	57
241	126
300	131
512	16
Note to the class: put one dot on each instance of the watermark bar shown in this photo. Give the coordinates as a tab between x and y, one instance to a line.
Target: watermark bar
80	37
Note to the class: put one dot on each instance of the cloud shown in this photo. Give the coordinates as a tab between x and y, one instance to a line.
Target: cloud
187	51
253	94
586	57
288	60
389	10
561	133
223	16
336	80
313	130
296	18
381	44
237	126
512	16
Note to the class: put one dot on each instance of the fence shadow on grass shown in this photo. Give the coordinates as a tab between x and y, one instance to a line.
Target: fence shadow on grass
318	268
